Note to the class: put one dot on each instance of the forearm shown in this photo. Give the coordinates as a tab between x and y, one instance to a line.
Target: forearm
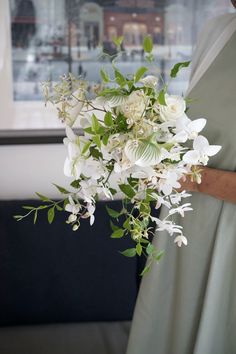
218	183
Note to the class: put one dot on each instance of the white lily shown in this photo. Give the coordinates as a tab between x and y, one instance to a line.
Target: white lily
201	151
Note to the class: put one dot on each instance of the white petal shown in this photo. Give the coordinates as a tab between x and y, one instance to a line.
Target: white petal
181	239
73	150
167	189
181	137
92	219
191	157
197	125
70	134
212	150
200	143
67	168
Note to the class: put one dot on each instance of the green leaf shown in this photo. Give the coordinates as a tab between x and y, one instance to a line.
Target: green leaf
86	147
42	197
117	40
95	123
58	207
120	79
149	197
118	233
42	207
35	216
113	213
89	130
75	184
27	207
177	67
95	153
97	141
105	139
159	255
127	190
150	248
145	208
51	214
127	225
113	191
146	269
61	189
150	58
108	119
139	73
144	240
113	226
129	252
148	44
161	97
139	249
104	76
17	217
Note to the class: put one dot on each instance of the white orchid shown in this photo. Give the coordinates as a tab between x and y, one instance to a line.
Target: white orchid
177	197
187	128
72	207
167	225
201	151
181	209
181	239
169	179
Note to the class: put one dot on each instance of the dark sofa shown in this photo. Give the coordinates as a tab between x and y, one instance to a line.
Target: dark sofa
64	291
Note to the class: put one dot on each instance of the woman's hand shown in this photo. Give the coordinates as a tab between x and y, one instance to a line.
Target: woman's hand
217	183
188	185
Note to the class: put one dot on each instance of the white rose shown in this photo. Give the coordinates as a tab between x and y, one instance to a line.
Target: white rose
134	106
175	108
149	81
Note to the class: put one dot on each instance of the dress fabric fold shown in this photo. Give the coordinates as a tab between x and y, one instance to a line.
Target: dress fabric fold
187	302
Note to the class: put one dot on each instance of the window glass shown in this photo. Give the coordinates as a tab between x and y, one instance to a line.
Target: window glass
52	38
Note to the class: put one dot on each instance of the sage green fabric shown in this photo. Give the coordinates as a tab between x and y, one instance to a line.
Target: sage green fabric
187	303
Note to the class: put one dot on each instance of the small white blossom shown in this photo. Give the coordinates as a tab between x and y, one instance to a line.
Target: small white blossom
149	81
177	197
181	209
167	225
181	239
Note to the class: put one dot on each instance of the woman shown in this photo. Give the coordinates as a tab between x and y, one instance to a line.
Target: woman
187	303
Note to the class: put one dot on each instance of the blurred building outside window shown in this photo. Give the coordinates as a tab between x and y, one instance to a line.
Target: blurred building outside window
46	39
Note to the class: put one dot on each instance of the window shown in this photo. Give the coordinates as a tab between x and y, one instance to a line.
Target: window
42	40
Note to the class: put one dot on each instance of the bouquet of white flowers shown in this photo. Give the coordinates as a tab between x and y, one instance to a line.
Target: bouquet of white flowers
135	143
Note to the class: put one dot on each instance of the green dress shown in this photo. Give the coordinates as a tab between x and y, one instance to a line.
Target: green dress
187	303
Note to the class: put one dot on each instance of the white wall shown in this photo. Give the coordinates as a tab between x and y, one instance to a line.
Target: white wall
26	169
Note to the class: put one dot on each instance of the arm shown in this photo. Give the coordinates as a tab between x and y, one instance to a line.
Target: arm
217	183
